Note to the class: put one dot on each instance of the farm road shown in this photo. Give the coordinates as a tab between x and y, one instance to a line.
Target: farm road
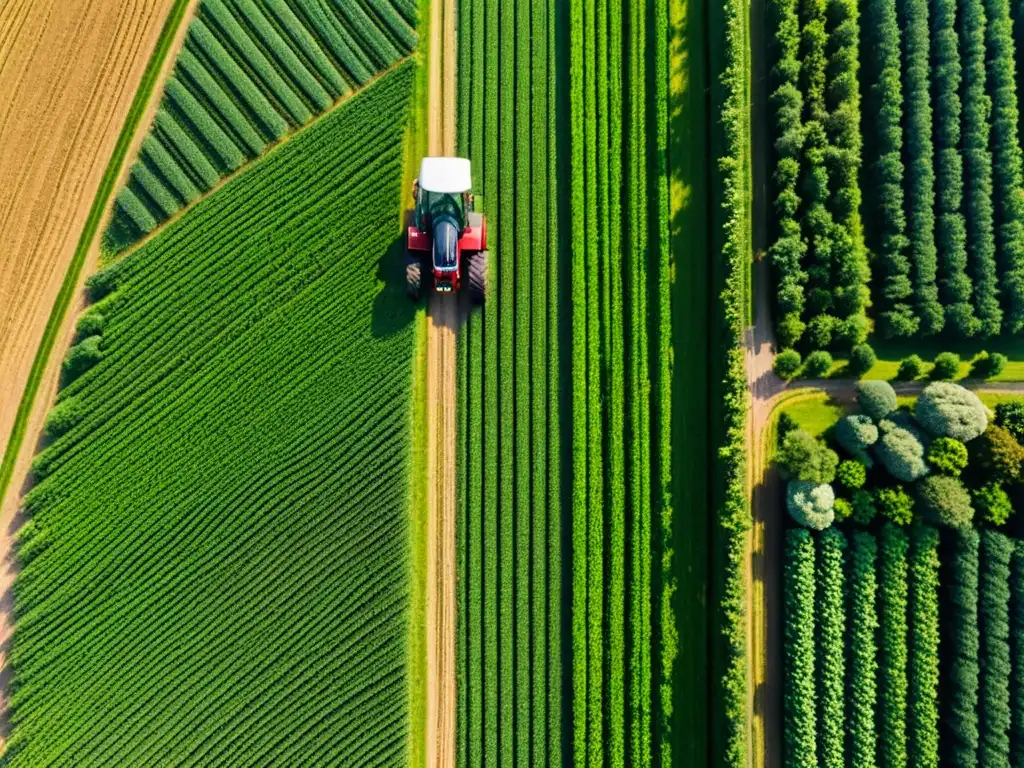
63	115
442	326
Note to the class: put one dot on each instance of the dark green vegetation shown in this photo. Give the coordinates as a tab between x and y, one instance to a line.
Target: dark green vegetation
214	567
252	71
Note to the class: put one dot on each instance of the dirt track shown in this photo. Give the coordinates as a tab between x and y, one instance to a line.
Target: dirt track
63	114
443	318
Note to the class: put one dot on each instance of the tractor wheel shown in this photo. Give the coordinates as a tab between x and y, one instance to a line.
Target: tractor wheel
477	269
414	279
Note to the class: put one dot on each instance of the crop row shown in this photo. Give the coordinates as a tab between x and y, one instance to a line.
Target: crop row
250	71
202	567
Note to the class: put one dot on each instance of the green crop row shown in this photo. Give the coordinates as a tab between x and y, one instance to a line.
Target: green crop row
799	695
203	561
250	71
923	673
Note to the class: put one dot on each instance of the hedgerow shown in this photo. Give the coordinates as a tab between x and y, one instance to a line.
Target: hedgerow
863	626
830	631
800	692
1017	656
994	619
923	670
892	657
960	693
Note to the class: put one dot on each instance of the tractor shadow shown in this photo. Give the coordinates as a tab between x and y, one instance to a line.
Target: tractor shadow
393	310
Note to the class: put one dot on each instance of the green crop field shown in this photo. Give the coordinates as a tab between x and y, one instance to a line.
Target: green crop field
250	72
216	561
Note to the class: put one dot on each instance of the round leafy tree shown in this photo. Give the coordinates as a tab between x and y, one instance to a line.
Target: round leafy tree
910	368
947	365
852	474
948	456
818	363
1010	416
811	504
901	452
862	358
999	454
949	410
787	363
864	510
856	433
876	398
801	457
895	504
945	501
993	504
842	509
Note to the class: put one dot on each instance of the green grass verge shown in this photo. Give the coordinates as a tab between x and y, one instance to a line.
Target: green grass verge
814	411
99	205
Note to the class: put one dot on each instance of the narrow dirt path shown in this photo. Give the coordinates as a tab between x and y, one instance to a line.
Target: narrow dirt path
442	325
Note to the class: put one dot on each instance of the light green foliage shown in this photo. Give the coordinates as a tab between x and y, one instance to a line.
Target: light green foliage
80	358
830	631
876	398
949	410
818	363
994	652
948	456
852	475
944	500
92	323
910	368
993	503
787	363
947	366
239	566
896	505
901	451
842	509
800	692
923	672
65	415
892	657
810	504
863	629
802	457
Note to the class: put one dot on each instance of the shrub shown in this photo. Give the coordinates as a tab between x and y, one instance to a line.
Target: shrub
876	398
948	456
1010	416
986	365
996	364
852	475
842	509
90	324
999	454
787	363
786	425
992	503
856	433
949	410
901	452
811	504
911	368
863	507
862	359
818	363
896	505
80	358
801	457
947	366
945	501
63	416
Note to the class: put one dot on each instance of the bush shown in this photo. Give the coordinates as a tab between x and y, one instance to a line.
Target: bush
80	358
985	365
911	368
1010	416
863	507
901	452
811	504
801	457
949	410
818	363
999	454
787	363
947	455
852	475
842	509
945	501
947	366
90	324
786	425
63	416
876	398
856	433
923	675
862	359
896	505
992	503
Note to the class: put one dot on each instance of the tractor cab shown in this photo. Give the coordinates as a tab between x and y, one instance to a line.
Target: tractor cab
445	226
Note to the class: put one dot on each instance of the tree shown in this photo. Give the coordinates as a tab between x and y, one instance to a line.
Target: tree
949	410
910	368
787	363
920	168
895	505
948	456
947	366
852	475
944	501
863	506
1010	416
993	504
800	692
901	452
811	504
998	453
842	509
978	165
862	358
818	363
876	398
801	457
856	433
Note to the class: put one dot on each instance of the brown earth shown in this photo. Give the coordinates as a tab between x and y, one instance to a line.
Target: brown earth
69	70
442	325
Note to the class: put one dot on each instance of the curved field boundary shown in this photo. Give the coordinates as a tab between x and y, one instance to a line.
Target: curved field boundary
67	290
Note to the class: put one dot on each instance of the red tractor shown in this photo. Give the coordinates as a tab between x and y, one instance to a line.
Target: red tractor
446	227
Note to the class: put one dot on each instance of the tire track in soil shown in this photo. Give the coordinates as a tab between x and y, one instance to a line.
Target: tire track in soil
443	318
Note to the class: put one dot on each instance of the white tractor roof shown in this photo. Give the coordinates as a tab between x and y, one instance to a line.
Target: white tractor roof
447	175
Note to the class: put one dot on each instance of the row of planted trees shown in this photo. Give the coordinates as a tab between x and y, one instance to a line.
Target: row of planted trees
942	170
